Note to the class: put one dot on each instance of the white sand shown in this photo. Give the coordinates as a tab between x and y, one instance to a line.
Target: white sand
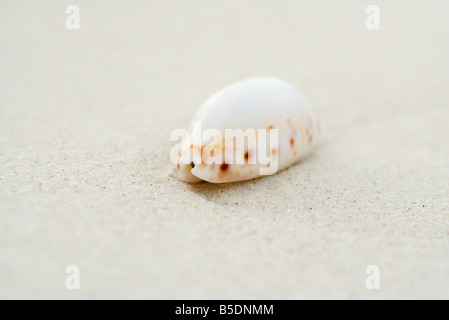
85	118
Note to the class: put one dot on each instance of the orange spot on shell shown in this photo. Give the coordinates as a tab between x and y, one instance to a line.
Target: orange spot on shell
292	142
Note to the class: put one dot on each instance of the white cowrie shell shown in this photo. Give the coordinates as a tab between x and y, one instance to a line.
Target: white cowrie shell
251	105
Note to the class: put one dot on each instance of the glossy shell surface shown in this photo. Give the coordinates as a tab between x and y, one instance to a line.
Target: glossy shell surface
265	103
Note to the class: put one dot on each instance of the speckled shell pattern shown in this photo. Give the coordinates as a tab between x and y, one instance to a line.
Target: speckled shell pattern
257	103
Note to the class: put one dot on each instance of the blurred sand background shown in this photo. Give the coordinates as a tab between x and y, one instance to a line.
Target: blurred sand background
85	118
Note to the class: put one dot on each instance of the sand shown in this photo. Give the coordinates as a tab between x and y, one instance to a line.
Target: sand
85	175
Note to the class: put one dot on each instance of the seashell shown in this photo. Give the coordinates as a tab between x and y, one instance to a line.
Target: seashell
273	127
